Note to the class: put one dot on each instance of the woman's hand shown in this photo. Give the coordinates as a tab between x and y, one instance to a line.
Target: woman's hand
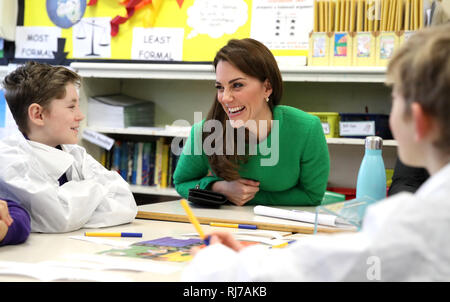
238	191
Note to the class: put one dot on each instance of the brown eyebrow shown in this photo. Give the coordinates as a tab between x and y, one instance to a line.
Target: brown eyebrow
231	81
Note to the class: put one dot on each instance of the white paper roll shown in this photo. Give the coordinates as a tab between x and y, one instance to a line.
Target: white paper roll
303	216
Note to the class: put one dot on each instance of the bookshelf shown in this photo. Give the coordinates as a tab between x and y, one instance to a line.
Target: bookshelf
352	74
155	131
179	90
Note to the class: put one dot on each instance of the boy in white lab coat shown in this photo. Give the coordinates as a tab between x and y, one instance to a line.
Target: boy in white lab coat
61	186
404	237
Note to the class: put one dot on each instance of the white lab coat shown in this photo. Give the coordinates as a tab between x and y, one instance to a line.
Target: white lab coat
403	238
93	197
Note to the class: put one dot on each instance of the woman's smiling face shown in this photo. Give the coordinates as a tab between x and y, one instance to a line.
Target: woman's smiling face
242	97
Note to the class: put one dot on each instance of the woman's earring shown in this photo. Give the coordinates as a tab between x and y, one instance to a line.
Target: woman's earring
267	99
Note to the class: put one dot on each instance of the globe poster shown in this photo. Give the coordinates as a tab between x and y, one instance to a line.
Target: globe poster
65	13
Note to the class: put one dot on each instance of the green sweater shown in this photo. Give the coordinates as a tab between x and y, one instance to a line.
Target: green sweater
298	178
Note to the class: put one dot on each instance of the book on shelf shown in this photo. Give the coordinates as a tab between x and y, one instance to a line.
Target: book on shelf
120	111
142	163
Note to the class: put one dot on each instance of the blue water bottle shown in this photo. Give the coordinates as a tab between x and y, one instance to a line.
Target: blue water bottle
372	175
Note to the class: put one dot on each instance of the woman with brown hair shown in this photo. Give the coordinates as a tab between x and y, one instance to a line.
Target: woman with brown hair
250	148
403	237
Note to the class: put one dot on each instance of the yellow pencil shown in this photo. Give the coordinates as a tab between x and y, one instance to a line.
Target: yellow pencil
116	234
281	245
234	225
193	219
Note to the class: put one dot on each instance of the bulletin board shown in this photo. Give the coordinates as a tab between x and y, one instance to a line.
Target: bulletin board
180	30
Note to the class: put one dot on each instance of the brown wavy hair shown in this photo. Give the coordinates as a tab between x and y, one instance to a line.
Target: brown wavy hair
255	60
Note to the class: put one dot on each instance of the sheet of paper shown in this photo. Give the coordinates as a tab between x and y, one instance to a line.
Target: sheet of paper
103	262
357	128
255	236
91	38
282	24
157	44
105	241
50	273
216	17
98	139
36	42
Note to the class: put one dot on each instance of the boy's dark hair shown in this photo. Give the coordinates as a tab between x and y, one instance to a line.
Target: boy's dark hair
35	83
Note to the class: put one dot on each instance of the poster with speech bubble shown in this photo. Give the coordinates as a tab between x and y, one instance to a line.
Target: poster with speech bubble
191	32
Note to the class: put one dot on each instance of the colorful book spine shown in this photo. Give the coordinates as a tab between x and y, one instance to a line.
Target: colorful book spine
164	165
140	149
135	164
124	161
158	161
116	157
130	161
146	164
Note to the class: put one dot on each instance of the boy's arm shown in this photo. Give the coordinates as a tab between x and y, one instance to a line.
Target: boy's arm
56	209
117	205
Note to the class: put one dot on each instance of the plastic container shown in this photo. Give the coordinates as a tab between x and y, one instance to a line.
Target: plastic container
381	124
332	197
350	193
330	122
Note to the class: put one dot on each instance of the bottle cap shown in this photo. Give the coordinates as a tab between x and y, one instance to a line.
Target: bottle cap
374	142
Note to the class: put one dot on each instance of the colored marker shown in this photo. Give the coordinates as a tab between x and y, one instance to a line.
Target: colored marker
94	234
282	244
233	225
194	221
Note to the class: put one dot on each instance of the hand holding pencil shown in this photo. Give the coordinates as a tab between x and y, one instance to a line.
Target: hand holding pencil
224	238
